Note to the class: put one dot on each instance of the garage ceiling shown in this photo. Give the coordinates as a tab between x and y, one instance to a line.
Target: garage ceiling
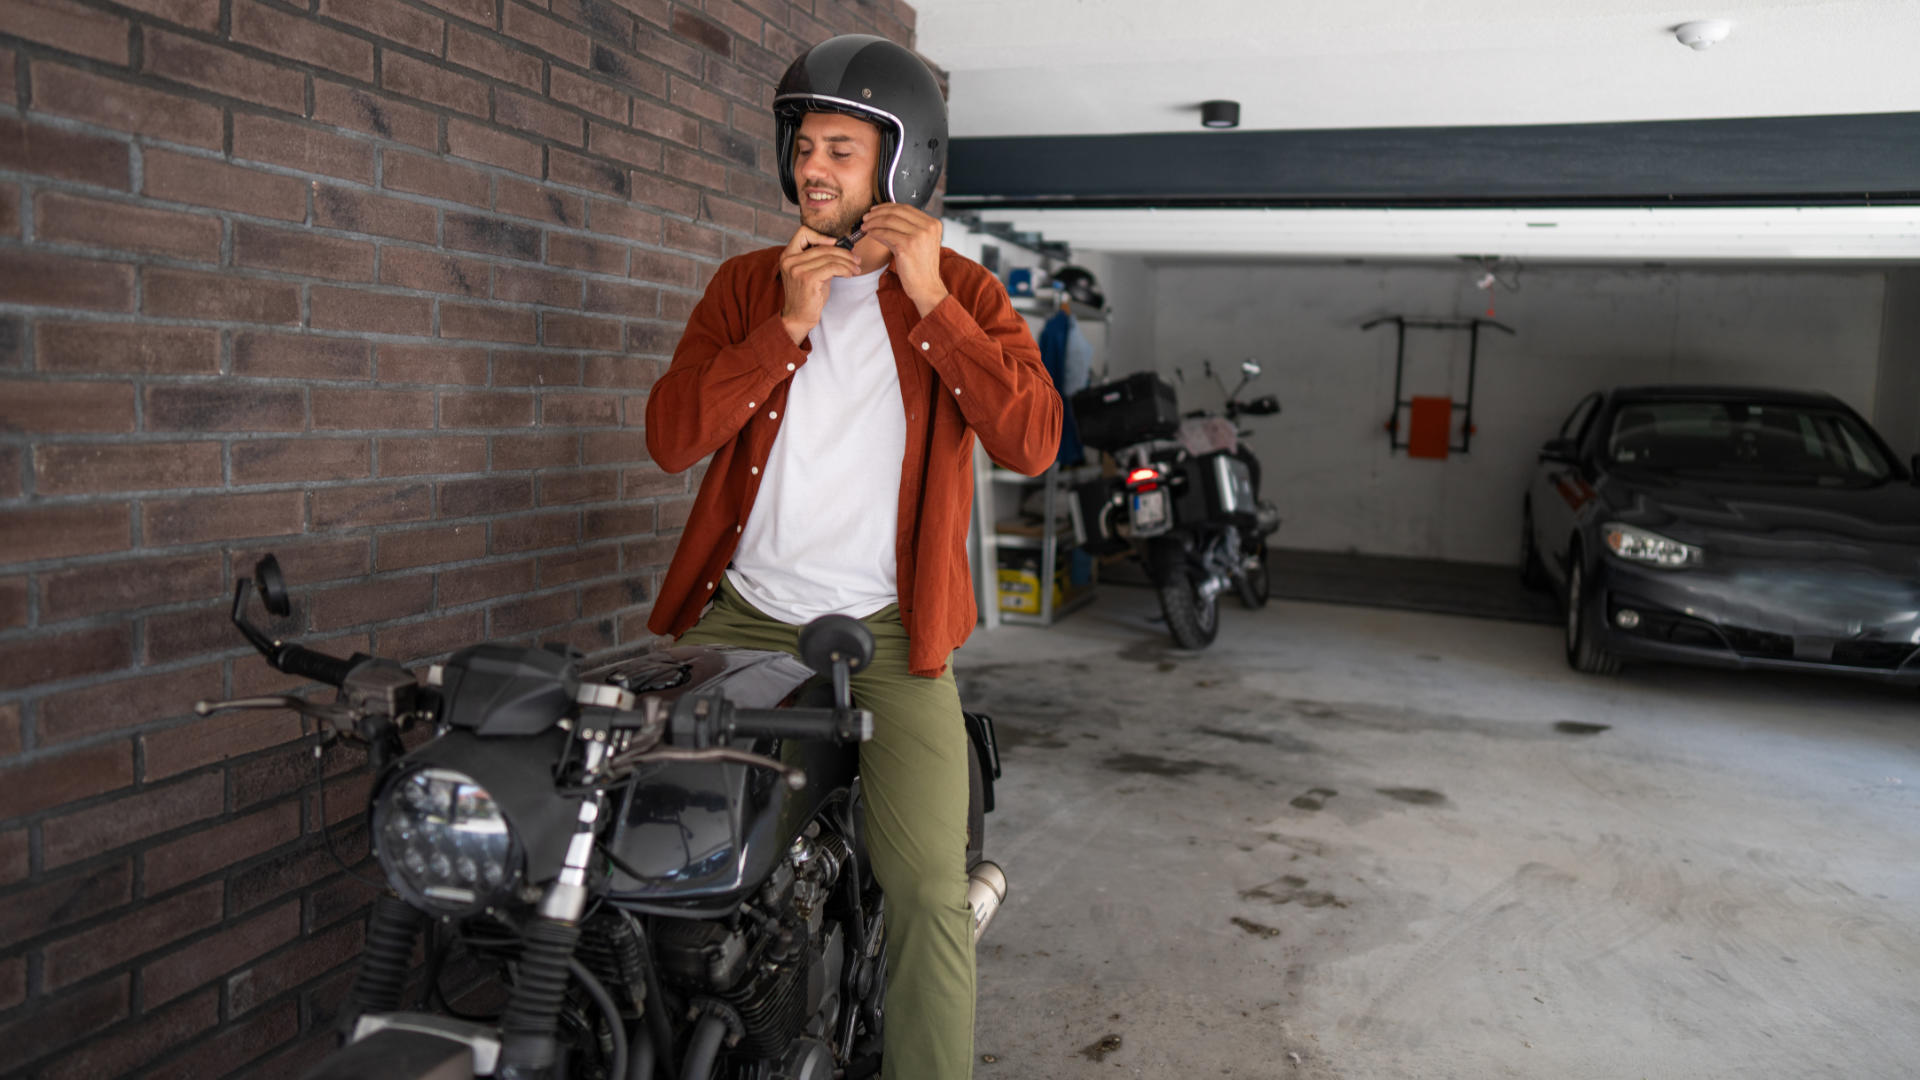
1382	104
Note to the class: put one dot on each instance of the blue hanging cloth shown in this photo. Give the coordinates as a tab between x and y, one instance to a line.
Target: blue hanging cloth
1063	349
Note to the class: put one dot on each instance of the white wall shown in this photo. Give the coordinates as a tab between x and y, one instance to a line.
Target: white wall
1326	458
1897	405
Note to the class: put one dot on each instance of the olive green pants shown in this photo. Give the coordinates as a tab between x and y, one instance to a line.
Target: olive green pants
914	776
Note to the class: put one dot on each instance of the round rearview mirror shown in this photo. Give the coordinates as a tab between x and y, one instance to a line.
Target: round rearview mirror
832	638
1250	368
272	585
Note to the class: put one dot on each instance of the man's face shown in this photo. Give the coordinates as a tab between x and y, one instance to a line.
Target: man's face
834	159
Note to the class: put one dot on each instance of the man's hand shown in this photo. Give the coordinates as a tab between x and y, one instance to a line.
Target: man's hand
914	239
807	270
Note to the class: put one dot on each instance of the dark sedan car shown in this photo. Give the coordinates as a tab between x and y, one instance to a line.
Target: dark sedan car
1728	526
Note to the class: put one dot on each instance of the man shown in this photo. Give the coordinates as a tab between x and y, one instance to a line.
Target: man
839	390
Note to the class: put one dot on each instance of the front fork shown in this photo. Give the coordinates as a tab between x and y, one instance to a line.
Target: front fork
528	1046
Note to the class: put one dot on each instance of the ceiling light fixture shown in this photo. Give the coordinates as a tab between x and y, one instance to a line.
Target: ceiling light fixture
1703	34
1220	114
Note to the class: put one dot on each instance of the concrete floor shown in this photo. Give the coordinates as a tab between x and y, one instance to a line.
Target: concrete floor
1349	842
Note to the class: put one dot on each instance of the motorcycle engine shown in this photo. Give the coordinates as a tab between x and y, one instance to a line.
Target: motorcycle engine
772	963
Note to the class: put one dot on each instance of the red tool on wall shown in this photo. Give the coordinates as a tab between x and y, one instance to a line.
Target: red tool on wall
1429	426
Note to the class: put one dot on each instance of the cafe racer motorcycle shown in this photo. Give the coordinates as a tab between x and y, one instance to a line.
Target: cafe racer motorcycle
664	863
1186	498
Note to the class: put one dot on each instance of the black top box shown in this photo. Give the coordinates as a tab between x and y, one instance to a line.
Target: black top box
1126	411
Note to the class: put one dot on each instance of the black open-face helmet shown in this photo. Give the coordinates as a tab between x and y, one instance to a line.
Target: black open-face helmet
880	82
1078	283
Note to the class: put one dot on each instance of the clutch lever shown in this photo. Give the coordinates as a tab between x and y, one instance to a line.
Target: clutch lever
336	720
334	716
795	778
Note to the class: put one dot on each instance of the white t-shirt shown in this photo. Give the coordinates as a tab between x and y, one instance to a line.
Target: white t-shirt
820	537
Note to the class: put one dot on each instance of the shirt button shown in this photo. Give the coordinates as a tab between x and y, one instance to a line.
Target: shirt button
956	391
709	584
737	528
750	404
925	345
754	469
773	415
789	367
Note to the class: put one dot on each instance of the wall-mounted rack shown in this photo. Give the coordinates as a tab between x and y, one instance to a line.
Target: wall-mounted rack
1402	324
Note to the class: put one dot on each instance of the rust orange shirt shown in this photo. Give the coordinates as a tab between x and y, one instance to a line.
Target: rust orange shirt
969	369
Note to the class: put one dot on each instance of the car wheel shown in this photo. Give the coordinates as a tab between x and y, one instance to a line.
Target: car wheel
1533	572
1583	653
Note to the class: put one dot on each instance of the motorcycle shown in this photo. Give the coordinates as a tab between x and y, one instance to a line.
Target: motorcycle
1186	499
662	864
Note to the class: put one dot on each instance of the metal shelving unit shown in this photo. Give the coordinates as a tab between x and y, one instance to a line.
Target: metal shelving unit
1052	541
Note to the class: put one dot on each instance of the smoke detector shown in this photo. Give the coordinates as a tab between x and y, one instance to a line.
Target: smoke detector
1703	34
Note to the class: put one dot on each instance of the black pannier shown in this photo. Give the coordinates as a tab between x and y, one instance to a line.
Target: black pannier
1126	411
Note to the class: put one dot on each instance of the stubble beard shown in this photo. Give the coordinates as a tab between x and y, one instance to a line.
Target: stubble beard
836	223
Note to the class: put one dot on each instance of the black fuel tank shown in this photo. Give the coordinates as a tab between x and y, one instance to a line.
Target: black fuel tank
703	836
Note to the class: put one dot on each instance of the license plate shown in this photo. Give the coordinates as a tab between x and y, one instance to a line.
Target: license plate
1149	509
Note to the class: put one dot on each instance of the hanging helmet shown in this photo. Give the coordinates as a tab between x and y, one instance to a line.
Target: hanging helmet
1078	283
880	82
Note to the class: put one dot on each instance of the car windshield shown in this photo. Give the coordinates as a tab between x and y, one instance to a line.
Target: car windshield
1751	441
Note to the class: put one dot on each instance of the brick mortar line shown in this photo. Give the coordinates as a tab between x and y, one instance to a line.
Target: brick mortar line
249	543
235	107
140	21
287	278
138	785
138	199
229	919
283	486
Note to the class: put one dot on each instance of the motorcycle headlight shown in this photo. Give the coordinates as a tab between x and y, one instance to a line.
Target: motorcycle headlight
1643	546
443	841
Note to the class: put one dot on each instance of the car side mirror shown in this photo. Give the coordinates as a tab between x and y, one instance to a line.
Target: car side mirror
1562	450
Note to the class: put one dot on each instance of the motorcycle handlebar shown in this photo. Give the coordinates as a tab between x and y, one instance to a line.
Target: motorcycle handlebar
309	664
854	725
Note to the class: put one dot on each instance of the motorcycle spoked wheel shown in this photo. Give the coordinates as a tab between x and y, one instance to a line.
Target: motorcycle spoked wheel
1192	620
1255	585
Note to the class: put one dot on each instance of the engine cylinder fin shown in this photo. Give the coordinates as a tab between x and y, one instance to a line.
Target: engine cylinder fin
772	1004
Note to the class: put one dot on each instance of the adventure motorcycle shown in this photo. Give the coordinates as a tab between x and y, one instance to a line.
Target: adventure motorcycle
1186	499
664	863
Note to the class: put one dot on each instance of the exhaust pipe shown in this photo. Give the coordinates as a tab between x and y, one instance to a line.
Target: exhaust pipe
986	889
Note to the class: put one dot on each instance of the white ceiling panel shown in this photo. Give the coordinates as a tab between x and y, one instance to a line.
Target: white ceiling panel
1878	234
1044	67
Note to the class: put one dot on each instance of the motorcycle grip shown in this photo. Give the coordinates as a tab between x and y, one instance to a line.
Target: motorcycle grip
804	724
318	666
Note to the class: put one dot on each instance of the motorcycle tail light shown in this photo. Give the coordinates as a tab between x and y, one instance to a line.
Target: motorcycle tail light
1144	477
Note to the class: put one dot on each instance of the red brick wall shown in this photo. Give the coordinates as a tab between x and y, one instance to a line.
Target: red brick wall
379	285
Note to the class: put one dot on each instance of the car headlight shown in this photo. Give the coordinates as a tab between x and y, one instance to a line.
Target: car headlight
443	841
1642	546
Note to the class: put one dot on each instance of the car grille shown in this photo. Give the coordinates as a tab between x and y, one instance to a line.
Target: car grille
1678	629
1759	643
1871	654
